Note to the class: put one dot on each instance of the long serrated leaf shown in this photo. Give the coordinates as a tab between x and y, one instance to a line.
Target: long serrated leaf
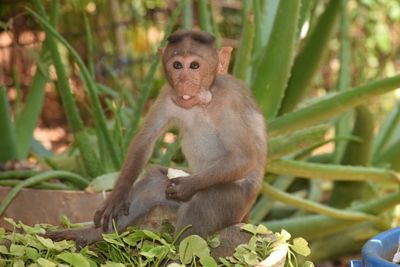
331	106
26	120
243	54
309	58
356	154
332	172
273	70
8	142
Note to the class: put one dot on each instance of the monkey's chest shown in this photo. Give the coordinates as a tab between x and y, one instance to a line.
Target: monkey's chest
201	145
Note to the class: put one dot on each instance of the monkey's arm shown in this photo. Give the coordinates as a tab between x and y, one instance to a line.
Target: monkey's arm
138	154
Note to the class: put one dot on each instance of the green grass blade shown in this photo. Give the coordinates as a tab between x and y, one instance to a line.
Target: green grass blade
269	10
204	16
26	120
17	86
214	25
8	142
343	126
331	106
100	118
90	161
309	58
305	10
257	40
243	53
90	46
187	20
273	70
332	172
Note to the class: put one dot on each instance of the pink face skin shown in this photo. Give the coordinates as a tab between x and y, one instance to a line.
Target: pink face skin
191	78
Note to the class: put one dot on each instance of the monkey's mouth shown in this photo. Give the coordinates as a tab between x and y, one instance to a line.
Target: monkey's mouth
186	97
186	101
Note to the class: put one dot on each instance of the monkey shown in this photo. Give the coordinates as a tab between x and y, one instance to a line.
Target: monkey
223	137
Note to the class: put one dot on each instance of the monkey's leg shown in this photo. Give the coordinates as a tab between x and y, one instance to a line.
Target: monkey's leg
217	207
146	194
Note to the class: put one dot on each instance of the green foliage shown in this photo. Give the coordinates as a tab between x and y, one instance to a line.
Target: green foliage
136	247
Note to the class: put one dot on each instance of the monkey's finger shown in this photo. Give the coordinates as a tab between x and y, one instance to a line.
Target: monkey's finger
106	221
97	217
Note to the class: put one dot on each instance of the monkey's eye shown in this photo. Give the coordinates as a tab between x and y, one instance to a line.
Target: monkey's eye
194	65
177	65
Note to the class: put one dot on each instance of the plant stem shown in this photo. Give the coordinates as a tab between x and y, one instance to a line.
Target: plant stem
332	172
308	205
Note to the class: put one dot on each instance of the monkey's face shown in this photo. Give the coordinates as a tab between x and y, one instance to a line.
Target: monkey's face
191	77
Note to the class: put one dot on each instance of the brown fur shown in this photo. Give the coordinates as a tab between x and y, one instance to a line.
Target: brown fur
223	138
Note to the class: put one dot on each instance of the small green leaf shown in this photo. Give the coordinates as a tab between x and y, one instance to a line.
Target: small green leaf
12	222
75	259
32	253
3	249
18	263
300	246
112	264
208	261
250	258
252	244
225	262
249	228
132	239
47	242
37	229
285	235
192	246
155	252
151	235
63	245
308	264
46	263
262	230
103	182
175	265
214	241
113	238
17	250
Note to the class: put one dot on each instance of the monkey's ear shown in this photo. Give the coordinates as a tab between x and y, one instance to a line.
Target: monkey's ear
161	51
224	56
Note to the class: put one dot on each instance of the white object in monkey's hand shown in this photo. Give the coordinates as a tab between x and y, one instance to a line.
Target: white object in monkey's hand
175	173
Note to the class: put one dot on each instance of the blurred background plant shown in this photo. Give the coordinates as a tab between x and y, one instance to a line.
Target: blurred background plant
77	76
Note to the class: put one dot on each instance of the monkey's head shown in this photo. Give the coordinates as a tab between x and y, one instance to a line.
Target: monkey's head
191	62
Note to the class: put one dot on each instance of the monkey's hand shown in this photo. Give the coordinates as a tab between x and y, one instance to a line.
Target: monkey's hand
181	189
116	204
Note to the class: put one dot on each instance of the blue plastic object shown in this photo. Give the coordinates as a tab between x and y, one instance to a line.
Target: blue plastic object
378	251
